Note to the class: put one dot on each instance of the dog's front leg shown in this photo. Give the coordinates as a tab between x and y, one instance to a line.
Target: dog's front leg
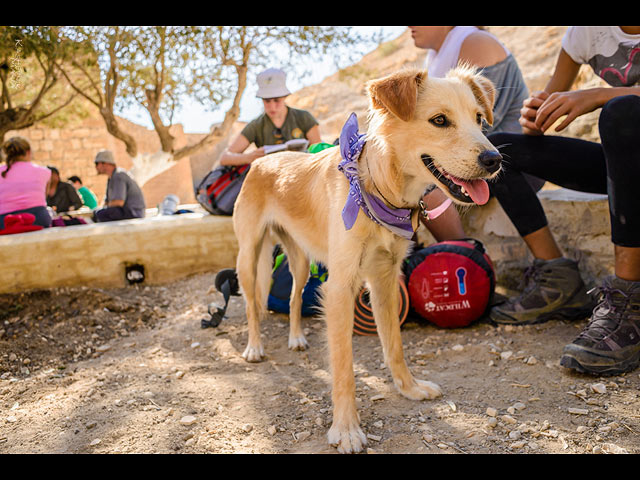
339	302
385	299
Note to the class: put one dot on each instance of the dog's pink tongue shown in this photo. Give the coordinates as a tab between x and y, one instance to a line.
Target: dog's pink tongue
478	190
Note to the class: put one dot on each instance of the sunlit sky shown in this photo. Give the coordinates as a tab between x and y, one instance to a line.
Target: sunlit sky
195	119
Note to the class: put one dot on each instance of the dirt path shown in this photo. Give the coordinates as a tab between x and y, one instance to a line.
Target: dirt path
130	370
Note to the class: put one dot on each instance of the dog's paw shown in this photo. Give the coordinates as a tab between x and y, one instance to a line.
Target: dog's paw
253	354
421	390
347	439
298	342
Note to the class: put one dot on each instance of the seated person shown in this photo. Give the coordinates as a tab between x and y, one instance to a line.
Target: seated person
610	343
23	184
277	125
61	196
124	199
88	197
448	46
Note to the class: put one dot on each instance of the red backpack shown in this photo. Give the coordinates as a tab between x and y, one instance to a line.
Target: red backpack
450	283
219	189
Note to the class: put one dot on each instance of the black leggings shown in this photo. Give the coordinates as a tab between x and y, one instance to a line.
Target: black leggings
612	168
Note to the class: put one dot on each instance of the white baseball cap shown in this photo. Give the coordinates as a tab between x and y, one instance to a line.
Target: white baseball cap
272	84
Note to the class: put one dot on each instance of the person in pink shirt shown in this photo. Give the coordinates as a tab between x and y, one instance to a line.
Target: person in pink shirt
23	184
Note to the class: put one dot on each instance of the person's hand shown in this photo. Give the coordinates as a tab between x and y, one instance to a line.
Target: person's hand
257	153
572	104
529	111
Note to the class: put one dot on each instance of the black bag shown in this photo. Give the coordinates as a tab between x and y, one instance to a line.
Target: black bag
218	191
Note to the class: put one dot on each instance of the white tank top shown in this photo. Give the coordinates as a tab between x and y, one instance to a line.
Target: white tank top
440	62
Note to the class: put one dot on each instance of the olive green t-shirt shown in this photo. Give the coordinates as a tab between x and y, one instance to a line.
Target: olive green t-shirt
262	131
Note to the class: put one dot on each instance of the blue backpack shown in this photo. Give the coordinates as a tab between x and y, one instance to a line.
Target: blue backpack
282	282
226	282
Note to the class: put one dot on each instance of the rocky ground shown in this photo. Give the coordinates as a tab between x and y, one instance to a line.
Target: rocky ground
130	370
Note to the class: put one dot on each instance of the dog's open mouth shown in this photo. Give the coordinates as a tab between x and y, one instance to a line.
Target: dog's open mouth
467	191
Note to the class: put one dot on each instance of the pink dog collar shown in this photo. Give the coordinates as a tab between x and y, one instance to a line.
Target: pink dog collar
436	212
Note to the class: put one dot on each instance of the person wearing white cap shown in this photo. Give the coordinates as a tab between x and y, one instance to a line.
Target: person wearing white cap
278	124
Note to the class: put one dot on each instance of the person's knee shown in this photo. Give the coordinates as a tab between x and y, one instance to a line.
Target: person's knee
500	139
620	117
102	215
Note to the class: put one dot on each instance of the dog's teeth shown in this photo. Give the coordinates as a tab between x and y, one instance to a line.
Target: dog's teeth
463	190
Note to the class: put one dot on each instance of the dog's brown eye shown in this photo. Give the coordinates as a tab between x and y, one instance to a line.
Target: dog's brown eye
440	121
479	118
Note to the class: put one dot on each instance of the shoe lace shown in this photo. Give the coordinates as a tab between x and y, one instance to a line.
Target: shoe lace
607	314
530	278
529	283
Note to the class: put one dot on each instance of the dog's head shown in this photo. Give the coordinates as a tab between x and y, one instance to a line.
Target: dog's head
432	129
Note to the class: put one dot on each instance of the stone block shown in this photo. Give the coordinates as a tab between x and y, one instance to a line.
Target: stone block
36	134
169	248
53	134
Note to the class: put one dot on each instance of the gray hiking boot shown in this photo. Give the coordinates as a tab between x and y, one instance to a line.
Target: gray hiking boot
610	343
552	289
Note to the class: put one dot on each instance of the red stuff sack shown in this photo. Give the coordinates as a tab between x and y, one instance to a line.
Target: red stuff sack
450	283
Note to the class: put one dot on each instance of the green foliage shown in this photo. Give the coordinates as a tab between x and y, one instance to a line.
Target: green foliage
30	86
158	67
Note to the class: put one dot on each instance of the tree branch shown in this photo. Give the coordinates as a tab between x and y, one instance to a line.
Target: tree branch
222	130
78	89
57	109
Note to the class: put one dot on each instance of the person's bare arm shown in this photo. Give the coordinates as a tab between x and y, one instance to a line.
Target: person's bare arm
572	104
234	154
564	75
313	135
481	49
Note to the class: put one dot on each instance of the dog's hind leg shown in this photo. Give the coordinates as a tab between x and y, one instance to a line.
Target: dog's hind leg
385	302
299	268
253	265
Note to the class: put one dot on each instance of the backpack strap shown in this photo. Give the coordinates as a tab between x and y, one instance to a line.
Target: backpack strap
226	282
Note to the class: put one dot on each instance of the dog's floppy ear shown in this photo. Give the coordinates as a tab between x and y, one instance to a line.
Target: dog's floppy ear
396	93
485	93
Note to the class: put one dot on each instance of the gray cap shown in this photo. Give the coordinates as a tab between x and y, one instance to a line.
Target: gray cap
105	156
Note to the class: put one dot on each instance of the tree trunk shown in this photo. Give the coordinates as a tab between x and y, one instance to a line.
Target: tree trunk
166	139
114	129
147	166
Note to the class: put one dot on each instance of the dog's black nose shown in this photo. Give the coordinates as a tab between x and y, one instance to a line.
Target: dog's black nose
490	160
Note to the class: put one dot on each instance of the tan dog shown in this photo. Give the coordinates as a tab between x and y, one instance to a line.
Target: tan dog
421	131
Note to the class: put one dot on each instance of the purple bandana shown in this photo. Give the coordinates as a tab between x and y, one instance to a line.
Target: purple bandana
398	220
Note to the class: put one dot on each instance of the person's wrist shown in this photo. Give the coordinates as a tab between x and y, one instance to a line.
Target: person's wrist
602	96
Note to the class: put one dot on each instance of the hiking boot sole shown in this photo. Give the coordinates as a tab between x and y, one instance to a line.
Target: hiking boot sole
565	313
586	360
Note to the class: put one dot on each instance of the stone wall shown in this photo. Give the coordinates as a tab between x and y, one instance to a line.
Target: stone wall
97	255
